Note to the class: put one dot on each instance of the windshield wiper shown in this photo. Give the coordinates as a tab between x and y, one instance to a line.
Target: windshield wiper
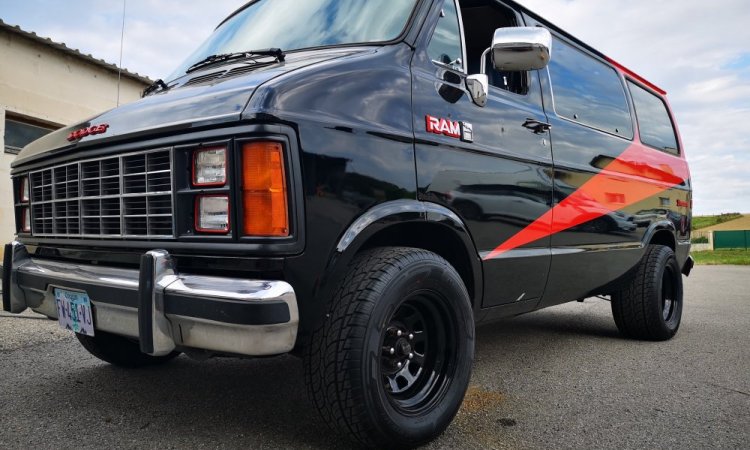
158	85
224	57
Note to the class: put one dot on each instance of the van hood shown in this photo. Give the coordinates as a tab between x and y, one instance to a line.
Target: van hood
208	97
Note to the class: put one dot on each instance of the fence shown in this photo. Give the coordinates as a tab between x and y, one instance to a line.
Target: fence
731	239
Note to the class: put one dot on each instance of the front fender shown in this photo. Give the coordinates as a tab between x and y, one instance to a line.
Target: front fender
397	213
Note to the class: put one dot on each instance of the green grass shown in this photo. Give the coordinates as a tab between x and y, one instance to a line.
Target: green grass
708	221
728	257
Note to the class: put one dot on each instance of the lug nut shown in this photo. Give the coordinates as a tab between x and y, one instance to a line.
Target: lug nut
411	336
399	333
411	355
399	365
392	351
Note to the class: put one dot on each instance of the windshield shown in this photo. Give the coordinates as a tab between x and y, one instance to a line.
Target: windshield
295	24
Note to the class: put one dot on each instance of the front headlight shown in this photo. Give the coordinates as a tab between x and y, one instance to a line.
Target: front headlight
210	167
212	214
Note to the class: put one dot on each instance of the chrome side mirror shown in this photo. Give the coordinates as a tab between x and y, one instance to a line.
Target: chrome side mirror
517	49
478	87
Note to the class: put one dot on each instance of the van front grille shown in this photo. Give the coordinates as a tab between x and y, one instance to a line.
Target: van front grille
115	197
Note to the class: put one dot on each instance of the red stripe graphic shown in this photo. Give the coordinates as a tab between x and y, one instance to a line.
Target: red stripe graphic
637	174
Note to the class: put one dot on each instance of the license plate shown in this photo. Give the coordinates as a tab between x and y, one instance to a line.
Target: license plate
74	311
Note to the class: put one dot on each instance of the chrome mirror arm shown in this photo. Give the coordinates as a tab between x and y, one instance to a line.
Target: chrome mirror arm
483	62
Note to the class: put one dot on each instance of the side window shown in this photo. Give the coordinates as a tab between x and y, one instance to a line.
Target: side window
654	124
588	91
445	46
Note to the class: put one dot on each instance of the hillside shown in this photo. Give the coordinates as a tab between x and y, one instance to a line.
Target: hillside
700	222
743	223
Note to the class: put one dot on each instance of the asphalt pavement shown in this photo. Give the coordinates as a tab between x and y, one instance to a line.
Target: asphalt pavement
557	378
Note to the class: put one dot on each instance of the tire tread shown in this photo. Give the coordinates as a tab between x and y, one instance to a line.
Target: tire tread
334	390
634	306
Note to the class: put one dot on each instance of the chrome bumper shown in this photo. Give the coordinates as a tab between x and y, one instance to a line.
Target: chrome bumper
161	308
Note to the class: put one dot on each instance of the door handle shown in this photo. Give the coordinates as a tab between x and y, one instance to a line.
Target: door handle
537	126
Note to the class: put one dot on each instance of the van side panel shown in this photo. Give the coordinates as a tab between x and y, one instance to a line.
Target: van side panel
610	194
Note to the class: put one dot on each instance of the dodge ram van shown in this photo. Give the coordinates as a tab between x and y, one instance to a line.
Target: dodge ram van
358	183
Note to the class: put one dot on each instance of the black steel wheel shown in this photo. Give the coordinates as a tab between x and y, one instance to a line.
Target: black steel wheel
390	363
648	305
418	344
669	305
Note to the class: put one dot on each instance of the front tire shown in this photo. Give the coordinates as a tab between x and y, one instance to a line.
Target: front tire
648	306
120	351
391	362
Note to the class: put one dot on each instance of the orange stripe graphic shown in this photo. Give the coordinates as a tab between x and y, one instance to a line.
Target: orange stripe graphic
637	174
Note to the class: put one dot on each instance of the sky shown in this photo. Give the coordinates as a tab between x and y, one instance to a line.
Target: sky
695	50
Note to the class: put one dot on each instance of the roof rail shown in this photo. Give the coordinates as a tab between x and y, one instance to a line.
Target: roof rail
636	76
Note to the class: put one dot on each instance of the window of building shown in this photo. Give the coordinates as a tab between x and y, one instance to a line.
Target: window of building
588	91
654	124
445	46
20	132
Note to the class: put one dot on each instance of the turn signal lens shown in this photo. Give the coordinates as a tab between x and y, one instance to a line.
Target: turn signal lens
23	194
264	193
212	214
210	167
26	220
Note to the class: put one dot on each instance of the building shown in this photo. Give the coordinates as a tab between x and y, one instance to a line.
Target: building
45	85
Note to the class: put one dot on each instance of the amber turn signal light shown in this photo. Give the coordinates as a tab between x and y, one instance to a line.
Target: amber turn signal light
264	195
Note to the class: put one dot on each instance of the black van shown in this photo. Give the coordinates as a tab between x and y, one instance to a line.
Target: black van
358	183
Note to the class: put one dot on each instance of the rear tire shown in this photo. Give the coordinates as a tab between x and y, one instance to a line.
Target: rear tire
648	305
390	363
120	351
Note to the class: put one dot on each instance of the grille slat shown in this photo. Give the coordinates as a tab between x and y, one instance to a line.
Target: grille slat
113	197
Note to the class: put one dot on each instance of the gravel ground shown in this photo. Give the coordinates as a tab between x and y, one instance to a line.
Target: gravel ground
560	377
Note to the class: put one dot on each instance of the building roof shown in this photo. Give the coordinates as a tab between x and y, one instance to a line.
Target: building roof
73	52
